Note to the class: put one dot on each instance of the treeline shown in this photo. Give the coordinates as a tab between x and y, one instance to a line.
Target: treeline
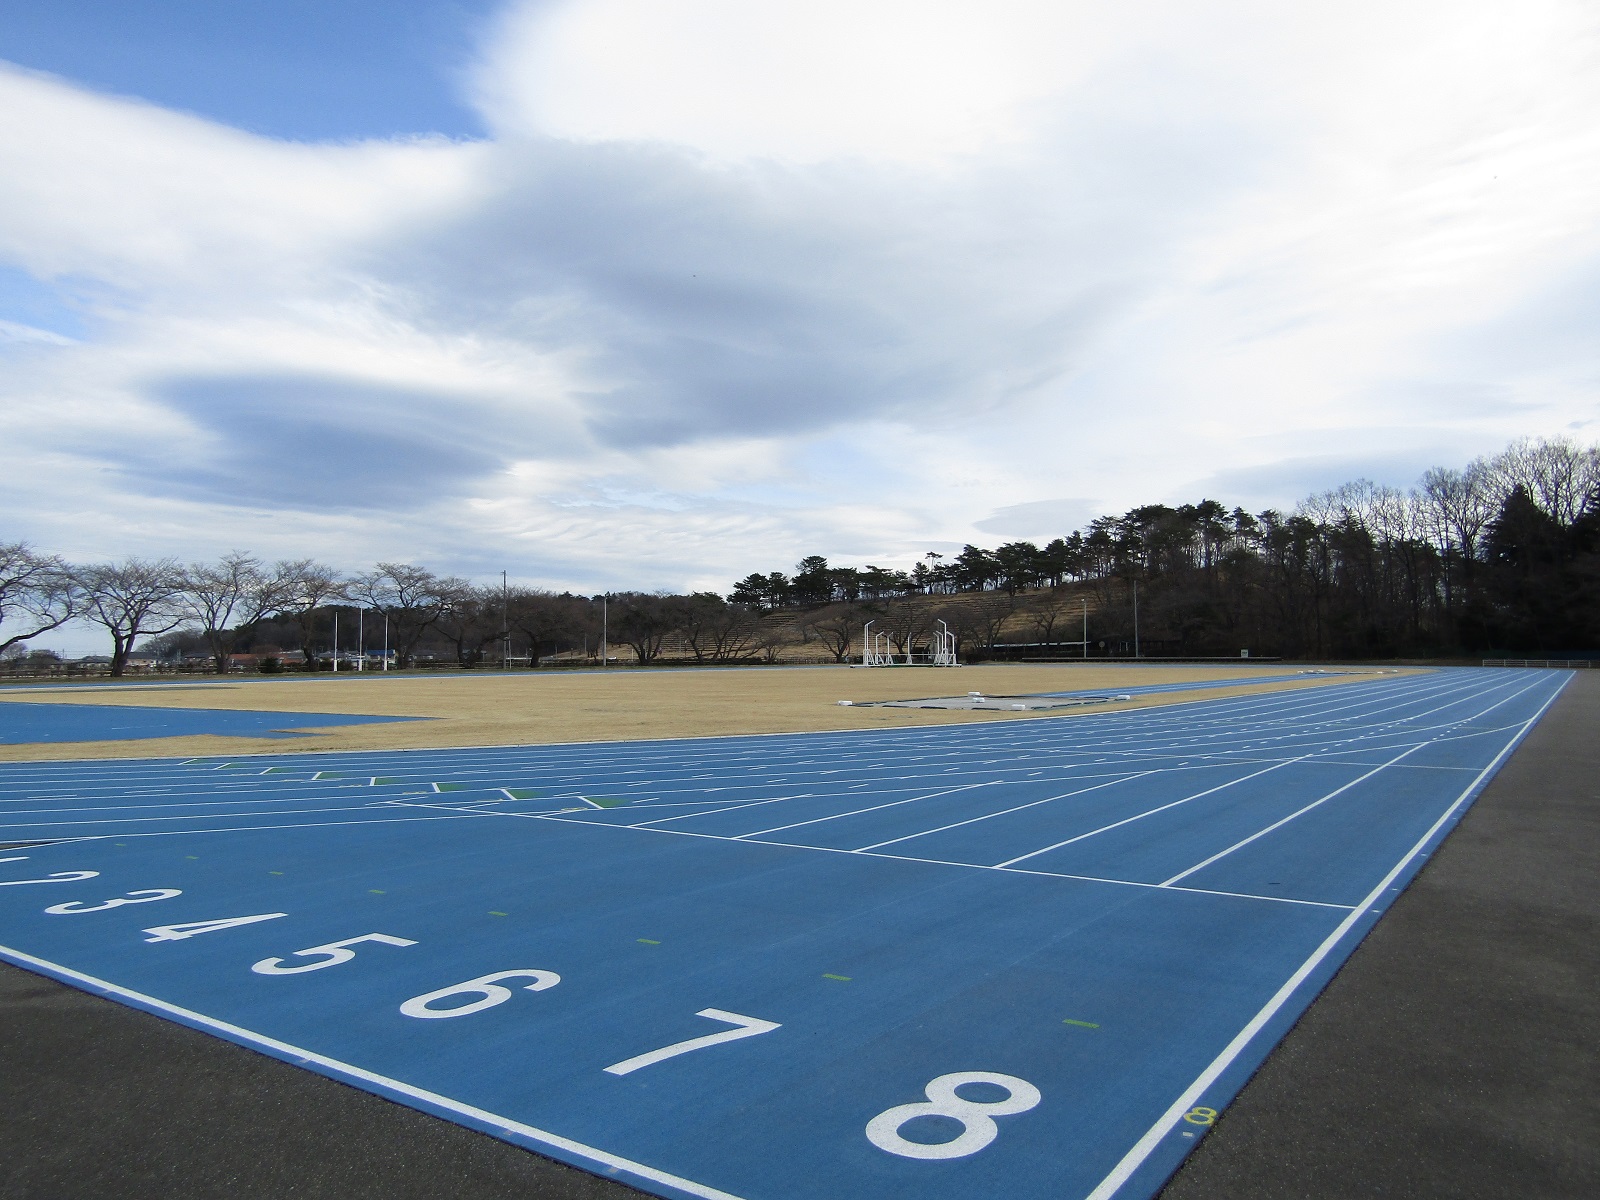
309	611
1502	554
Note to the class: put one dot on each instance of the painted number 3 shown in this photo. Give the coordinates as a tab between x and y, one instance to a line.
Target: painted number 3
976	1116
144	896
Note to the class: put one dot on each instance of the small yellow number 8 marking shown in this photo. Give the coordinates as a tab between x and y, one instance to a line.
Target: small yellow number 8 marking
1200	1116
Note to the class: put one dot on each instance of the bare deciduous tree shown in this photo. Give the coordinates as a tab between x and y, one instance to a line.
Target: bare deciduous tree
717	631
643	621
411	598
131	599
229	595
37	594
836	627
305	586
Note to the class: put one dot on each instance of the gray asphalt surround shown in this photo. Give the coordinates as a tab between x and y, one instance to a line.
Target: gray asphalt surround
1453	1056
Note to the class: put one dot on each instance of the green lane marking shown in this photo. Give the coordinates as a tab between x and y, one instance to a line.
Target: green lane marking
377	892
380	780
608	801
274	872
272	770
522	793
192	857
456	787
1084	1024
649	941
494	913
840	978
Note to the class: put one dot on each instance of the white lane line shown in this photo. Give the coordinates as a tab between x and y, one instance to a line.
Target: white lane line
1299	812
726	807
1151	812
544	756
299	1056
1323	800
177	833
937	862
965	787
1141	1150
1004	811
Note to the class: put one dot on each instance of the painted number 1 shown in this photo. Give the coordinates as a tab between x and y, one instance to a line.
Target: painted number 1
745	1027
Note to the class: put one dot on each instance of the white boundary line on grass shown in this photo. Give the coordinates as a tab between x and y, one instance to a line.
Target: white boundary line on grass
1142	1149
295	1053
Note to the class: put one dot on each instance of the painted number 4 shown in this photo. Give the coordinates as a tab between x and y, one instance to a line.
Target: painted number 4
188	929
976	1116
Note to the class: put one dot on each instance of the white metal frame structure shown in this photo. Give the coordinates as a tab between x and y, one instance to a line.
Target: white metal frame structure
877	649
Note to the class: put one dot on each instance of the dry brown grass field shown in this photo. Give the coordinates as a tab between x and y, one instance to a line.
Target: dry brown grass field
489	709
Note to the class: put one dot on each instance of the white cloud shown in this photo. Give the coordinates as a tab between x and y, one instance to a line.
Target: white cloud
735	283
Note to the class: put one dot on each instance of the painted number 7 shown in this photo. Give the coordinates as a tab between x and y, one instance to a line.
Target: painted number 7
746	1027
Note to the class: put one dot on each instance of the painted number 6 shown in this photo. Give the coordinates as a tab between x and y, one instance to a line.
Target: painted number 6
976	1116
487	987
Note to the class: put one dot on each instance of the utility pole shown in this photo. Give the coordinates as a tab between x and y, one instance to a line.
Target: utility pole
505	623
1136	618
361	639
1084	600
605	617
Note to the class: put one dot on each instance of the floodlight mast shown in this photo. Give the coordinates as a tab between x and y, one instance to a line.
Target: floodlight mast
605	618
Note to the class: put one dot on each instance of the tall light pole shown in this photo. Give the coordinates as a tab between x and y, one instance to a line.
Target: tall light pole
605	618
1084	600
505	623
1136	618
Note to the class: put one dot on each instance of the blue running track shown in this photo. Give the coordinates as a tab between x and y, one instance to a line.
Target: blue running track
22	723
1032	958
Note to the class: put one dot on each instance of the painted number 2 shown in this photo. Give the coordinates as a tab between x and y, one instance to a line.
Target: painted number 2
332	954
976	1116
746	1027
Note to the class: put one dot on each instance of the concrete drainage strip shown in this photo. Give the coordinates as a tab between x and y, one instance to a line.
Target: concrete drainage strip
978	702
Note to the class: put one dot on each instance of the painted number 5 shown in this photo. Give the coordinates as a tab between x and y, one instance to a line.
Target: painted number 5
332	954
486	987
976	1116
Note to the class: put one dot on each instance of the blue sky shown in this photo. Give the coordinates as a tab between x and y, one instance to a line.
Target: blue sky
611	293
308	70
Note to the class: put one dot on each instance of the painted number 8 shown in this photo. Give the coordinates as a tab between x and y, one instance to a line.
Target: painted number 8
977	1117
